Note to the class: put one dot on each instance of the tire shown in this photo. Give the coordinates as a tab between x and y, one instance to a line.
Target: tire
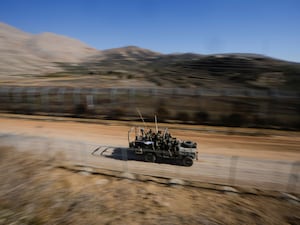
150	157
187	161
189	144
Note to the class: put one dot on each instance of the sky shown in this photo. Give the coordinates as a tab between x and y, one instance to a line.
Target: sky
269	27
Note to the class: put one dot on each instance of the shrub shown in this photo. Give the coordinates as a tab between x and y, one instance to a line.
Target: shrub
201	117
234	119
115	114
183	116
80	109
162	113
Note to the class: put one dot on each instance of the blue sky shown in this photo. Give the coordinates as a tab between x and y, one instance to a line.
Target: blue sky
270	27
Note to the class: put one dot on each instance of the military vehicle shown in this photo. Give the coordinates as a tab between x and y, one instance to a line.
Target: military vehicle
161	144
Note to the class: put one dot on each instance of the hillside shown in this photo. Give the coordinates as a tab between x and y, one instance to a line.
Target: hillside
52	59
24	53
191	70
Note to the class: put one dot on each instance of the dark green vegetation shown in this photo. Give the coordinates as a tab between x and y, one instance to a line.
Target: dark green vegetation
264	110
191	70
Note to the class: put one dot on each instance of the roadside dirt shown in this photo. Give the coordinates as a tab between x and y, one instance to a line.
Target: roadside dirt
34	191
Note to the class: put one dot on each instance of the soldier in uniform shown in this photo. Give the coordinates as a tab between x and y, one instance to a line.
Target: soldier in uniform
143	134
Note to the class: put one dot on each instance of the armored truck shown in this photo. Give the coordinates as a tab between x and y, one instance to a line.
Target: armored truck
161	144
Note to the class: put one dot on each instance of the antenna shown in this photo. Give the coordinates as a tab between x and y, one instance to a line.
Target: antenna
165	132
141	117
156	124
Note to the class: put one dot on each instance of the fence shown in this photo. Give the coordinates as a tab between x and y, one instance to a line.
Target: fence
205	106
226	170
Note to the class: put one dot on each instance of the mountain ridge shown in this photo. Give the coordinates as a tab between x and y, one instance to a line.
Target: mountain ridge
25	53
52	55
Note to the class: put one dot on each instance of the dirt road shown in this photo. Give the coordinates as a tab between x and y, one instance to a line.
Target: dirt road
267	161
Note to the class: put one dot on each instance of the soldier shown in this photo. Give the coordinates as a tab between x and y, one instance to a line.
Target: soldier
149	135
143	134
174	144
159	140
159	134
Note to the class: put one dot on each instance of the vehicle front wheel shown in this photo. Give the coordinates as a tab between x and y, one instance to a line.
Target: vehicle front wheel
187	161
149	157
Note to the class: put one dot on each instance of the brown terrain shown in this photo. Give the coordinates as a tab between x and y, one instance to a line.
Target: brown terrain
38	192
42	190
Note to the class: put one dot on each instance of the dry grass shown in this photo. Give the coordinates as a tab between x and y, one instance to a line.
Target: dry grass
33	191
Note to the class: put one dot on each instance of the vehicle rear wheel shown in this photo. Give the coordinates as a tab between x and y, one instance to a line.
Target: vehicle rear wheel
189	144
187	161
150	157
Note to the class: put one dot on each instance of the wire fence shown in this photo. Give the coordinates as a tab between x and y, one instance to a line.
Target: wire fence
237	107
237	171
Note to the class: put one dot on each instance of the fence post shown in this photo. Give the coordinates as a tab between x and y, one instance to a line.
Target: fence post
113	93
76	96
31	98
90	101
45	98
60	97
94	92
232	170
18	94
294	177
